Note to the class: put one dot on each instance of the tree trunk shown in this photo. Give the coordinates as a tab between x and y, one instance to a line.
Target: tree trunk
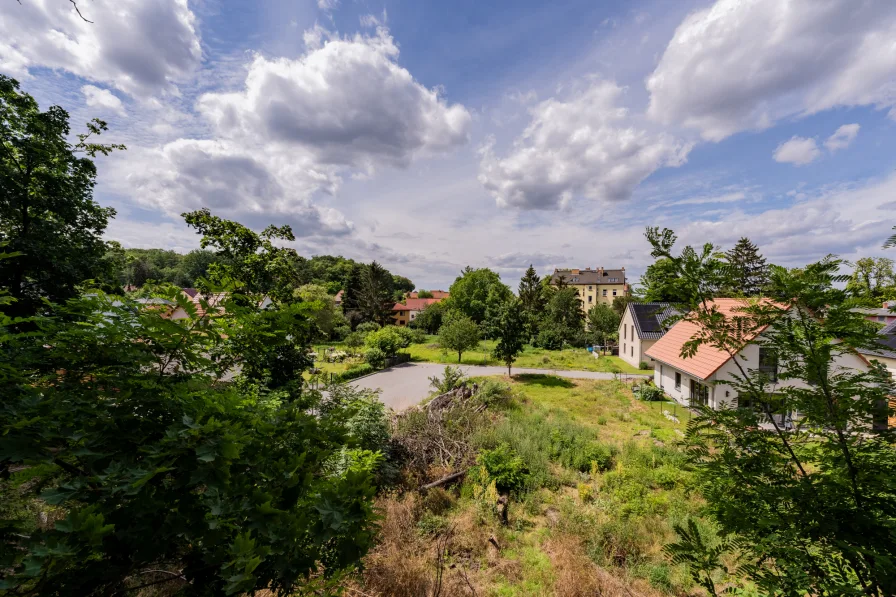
458	356
508	369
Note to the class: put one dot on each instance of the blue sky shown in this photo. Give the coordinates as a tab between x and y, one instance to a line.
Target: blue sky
433	135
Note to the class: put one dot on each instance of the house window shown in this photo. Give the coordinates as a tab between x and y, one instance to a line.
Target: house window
614	293
677	381
624	331
589	288
768	363
589	298
605	292
661	377
633	350
882	318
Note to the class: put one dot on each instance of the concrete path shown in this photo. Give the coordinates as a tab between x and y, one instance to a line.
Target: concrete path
408	384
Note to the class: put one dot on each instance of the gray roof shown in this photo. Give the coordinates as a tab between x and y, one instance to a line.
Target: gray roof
887	342
590	276
650	319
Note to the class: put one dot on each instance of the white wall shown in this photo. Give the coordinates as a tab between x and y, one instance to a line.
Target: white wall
631	348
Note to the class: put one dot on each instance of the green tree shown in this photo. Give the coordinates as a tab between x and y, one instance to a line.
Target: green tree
872	280
376	296
401	286
510	333
195	265
533	300
424	294
620	303
813	509
603	323
430	318
474	290
459	334
563	315
252	260
48	217
747	270
325	312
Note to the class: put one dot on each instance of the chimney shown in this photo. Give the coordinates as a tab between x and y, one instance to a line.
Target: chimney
575	272
601	271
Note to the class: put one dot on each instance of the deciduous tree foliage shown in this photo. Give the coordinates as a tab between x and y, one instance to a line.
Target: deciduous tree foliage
510	332
873	280
603	323
47	211
183	453
475	290
459	334
813	509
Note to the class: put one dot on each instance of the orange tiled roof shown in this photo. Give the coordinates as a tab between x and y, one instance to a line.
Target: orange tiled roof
413	304
707	359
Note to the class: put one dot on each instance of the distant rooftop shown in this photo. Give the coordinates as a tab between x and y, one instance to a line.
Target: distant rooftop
590	276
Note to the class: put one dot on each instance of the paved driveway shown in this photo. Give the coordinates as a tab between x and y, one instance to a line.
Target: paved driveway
406	385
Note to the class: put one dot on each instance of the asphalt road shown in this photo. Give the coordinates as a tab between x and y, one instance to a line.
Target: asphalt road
408	384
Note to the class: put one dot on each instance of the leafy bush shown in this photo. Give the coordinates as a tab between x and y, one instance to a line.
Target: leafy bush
375	357
652	393
341	332
492	391
367	327
388	340
354	340
550	339
645	366
504	467
417	336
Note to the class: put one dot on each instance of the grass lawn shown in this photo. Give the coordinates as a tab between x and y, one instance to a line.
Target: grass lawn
570	359
605	482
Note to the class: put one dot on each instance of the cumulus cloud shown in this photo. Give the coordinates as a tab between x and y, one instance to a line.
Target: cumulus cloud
188	174
346	101
741	65
798	151
287	139
584	145
842	137
102	99
136	46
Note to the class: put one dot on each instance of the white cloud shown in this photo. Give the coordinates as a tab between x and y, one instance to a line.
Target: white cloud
327	5
585	145
842	137
743	64
798	151
735	197
102	98
848	221
346	101
138	47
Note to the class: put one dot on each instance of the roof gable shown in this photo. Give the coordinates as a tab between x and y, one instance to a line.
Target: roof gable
887	341
708	359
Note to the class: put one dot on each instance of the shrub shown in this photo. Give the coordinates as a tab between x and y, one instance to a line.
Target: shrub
354	340
375	357
652	393
550	339
504	467
340	332
437	501
367	327
389	340
645	366
417	336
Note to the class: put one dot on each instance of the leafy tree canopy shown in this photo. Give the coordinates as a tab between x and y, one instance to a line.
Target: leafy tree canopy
474	290
459	334
48	217
510	332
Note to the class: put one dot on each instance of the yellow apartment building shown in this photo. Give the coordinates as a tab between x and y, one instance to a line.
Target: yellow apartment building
597	285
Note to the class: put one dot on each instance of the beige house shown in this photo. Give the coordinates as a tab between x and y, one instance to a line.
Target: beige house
886	356
594	285
641	326
404	313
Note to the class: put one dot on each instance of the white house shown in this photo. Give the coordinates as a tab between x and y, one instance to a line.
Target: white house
641	326
702	378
